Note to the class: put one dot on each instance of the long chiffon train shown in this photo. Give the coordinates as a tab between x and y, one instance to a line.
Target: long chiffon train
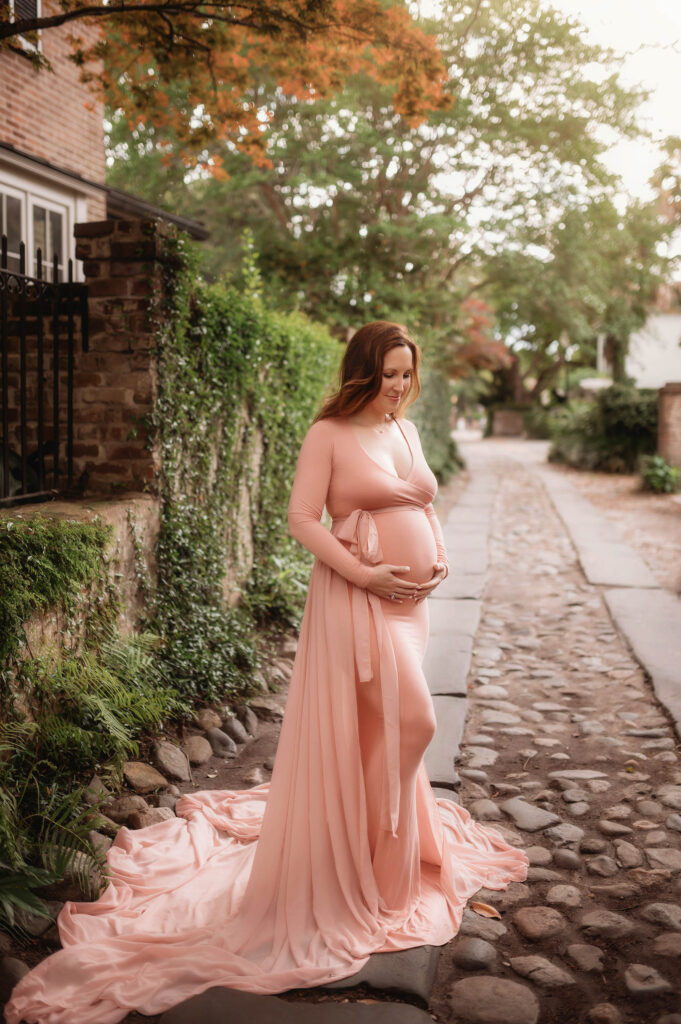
294	883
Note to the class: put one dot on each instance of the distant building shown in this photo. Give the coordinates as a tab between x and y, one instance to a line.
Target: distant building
654	356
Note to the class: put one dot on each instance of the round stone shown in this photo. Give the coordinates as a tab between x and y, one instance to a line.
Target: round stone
567	895
171	761
485	810
667	944
488	1000
567	859
649	808
197	749
643	980
474	954
603	866
613	828
235	730
155	815
538	855
627	855
587	958
606	924
541	971
592	844
206	719
666	858
666	914
565	834
604	1013
248	719
487	928
221	744
672	798
539	922
142	777
119	810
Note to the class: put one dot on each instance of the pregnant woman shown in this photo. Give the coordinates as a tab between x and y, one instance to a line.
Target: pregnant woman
346	852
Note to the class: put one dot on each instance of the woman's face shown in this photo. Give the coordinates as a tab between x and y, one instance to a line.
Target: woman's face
395	379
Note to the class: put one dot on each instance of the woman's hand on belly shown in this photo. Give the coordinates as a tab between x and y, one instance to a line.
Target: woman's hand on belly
386	581
439	574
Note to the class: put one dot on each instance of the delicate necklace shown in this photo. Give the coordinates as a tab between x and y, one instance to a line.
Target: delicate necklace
382	429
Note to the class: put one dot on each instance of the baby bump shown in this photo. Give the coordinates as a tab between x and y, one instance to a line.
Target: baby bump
406	538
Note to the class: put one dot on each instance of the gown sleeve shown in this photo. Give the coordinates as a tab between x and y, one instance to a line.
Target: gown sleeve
306	504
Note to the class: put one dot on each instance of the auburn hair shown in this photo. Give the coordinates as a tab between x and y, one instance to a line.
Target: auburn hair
362	368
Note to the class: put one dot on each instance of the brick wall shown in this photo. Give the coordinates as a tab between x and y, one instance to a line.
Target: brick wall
115	381
54	116
669	424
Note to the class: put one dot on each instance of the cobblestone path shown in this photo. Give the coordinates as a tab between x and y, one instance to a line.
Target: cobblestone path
566	752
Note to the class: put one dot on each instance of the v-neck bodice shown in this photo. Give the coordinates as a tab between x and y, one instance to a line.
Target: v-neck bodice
358	481
409	447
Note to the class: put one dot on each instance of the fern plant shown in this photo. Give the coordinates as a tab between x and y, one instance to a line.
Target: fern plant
89	711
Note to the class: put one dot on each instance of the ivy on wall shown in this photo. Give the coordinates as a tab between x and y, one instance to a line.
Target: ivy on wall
238	386
44	562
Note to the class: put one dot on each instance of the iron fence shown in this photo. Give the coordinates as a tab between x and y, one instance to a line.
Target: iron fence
40	317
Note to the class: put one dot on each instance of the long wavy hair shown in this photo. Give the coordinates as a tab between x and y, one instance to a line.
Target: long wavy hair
362	368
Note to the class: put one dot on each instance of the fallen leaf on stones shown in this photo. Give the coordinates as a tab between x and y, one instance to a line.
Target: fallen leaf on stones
484	910
645	824
516	775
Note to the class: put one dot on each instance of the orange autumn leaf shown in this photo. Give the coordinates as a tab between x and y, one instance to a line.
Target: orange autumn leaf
484	910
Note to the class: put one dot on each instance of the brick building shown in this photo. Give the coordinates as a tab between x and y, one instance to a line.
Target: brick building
52	162
54	198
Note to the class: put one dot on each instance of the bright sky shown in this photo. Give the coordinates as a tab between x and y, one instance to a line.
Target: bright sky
625	25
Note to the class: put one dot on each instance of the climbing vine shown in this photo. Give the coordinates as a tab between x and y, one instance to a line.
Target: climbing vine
238	385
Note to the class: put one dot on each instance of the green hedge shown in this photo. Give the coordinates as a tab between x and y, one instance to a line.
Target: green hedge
431	413
237	380
610	433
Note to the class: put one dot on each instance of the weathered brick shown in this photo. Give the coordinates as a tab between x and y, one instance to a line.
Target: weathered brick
94	229
142	250
108	286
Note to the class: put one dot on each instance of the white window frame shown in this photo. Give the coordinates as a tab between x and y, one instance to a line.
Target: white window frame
34	193
21	40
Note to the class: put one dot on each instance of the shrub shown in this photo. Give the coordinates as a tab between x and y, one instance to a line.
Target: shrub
657	475
610	433
431	414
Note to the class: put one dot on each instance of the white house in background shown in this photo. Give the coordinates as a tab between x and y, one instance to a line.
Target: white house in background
654	357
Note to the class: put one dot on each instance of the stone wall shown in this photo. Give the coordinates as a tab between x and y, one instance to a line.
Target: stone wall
669	424
134	512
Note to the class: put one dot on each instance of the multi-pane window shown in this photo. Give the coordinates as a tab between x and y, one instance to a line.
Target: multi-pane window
42	223
48	236
11	221
18	10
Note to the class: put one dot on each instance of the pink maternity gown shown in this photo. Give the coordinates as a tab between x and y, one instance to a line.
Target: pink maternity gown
346	852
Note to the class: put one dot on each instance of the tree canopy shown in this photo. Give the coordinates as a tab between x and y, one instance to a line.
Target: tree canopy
218	52
493	221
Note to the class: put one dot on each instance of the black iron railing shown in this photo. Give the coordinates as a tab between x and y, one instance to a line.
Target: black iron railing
39	318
